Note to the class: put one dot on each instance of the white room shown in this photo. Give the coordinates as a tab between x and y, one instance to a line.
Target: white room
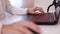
18	5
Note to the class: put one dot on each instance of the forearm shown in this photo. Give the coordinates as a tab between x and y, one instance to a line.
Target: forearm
18	11
14	10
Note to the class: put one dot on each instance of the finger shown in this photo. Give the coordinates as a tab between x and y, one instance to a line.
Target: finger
38	12
24	30
11	31
40	9
33	12
32	26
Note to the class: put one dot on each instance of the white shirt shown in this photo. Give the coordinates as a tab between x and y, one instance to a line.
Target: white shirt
6	7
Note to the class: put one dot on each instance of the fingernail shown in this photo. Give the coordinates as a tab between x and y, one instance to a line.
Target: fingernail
39	30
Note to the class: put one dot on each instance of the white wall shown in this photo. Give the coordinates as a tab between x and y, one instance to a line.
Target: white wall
2	16
22	3
28	3
16	3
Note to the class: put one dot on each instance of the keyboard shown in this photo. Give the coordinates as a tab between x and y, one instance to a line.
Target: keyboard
48	17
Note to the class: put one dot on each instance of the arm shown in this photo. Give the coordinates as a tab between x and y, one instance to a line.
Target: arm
17	21
15	25
14	10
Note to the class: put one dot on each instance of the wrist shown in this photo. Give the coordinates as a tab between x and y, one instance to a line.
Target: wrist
27	10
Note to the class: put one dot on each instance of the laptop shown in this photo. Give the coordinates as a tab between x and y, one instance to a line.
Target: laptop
47	18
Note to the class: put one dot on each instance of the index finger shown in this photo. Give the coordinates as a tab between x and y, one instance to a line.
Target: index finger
32	26
40	9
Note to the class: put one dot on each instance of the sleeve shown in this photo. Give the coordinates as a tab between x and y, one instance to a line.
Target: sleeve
11	20
14	10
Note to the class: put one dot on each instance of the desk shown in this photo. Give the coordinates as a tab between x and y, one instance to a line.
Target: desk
45	29
50	29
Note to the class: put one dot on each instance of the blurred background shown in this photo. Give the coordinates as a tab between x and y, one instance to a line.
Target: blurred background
22	3
32	3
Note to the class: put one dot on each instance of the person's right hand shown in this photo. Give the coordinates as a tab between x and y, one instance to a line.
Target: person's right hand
20	27
33	9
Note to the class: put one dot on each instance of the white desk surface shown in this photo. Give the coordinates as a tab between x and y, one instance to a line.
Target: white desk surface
50	29
47	29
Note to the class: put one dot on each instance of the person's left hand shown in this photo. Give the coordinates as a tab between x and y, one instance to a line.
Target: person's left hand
33	9
20	27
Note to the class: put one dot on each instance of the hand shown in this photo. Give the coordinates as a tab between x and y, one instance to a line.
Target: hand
20	27
32	10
